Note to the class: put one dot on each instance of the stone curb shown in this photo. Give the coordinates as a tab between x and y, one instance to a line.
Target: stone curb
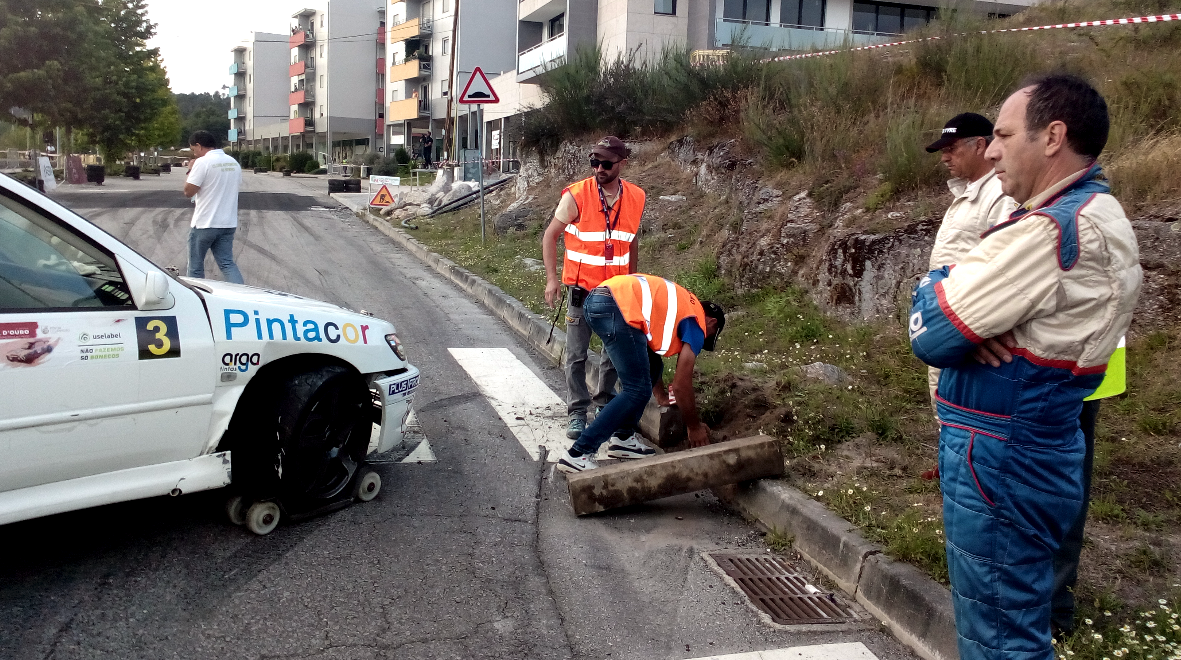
917	609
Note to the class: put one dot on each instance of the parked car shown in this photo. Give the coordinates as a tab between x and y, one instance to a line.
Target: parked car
122	381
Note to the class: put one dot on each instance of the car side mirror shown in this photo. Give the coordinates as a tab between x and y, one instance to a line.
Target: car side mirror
156	294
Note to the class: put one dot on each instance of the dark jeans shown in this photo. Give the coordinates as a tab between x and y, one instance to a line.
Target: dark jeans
221	241
1066	559
628	349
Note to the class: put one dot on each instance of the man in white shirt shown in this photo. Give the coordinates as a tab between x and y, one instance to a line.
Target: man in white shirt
978	204
213	183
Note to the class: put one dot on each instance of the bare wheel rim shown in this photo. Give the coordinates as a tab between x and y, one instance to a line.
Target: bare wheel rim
320	460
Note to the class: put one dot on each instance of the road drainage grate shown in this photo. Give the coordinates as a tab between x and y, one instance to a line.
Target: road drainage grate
777	589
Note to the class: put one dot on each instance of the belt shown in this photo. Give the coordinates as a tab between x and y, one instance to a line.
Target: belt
606	291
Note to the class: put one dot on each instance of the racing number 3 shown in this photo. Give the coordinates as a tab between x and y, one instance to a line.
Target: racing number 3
157	337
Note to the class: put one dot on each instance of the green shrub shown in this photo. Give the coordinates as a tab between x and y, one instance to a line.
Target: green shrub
299	160
904	163
264	161
310	167
401	156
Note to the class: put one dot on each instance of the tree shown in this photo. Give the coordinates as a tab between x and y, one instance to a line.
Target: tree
83	65
204	112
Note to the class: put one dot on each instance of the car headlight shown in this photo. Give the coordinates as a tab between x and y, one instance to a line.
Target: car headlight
396	347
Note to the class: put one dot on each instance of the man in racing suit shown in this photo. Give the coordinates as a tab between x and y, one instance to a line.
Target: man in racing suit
1056	284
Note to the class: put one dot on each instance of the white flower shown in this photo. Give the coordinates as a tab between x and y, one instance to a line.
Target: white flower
820	494
850	491
867	508
1088	621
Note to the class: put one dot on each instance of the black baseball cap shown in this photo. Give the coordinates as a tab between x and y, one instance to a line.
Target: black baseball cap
610	146
968	124
715	311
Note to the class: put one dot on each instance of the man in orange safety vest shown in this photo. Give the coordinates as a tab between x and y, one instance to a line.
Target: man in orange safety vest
599	219
637	317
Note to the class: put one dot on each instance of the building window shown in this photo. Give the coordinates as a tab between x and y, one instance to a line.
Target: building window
446	45
321	51
889	18
804	13
321	111
321	81
557	25
425	12
321	20
444	87
666	7
446	6
752	11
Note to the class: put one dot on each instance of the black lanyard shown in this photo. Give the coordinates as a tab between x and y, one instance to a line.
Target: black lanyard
607	209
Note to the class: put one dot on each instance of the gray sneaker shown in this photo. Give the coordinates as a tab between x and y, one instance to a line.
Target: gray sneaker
631	447
577	426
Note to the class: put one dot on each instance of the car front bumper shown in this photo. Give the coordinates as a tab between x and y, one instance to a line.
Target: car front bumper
394	396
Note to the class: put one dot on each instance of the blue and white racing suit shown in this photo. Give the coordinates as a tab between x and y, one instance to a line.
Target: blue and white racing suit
1063	274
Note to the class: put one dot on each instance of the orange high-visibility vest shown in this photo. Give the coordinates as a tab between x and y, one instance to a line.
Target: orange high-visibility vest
656	306
586	238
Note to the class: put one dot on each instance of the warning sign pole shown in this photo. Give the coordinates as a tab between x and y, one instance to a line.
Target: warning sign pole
480	134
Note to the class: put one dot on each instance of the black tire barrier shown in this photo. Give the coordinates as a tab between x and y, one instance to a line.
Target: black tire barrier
286	172
336	186
131	171
353	185
96	173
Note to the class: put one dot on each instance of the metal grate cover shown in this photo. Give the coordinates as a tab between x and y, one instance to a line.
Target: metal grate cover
777	589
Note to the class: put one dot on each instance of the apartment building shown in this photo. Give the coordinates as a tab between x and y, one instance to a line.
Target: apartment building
433	47
258	90
333	80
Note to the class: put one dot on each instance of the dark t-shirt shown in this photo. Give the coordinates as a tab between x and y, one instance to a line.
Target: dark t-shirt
427	142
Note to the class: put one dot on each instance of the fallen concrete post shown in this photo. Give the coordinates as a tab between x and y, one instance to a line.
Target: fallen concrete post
687	471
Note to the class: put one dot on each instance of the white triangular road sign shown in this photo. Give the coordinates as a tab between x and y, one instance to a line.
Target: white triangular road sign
478	89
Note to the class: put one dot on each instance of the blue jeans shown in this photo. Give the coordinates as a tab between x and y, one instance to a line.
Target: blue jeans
221	241
628	349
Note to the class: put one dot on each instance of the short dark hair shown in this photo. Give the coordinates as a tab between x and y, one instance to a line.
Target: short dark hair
1073	101
203	138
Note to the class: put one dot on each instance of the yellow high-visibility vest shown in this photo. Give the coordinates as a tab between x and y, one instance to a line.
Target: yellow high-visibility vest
1115	381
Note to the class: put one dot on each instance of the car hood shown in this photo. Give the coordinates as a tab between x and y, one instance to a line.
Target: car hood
242	293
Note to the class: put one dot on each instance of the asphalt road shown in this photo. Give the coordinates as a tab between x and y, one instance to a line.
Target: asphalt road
477	555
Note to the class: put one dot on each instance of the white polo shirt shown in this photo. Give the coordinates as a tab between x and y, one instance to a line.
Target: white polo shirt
219	178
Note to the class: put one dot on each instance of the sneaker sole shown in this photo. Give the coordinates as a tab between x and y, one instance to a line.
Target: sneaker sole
574	435
571	469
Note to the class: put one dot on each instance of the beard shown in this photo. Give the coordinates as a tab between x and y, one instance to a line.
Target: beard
607	178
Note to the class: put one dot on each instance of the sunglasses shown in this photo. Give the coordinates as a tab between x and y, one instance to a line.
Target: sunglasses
607	165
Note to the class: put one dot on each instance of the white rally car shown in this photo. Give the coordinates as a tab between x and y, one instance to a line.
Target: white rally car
119	381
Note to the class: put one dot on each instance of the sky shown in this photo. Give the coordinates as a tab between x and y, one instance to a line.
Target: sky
195	38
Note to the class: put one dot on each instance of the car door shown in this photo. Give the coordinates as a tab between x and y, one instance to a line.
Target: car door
91	383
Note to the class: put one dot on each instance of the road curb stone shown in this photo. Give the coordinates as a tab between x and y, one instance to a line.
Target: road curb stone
917	609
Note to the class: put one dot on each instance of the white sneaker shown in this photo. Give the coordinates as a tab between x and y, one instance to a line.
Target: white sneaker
572	464
632	447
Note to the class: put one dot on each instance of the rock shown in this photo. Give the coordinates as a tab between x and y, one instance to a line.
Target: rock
829	374
442	183
672	198
458	190
423	211
532	265
754	366
511	220
387	211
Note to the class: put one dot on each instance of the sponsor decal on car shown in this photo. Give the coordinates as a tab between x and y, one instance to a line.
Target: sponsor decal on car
29	353
158	337
18	330
275	329
403	388
242	362
97	346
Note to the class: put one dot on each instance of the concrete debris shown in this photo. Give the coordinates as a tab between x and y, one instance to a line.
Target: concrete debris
672	198
532	265
665	475
458	190
754	366
829	374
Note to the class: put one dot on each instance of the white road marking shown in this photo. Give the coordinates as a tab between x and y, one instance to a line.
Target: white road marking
421	454
531	410
853	651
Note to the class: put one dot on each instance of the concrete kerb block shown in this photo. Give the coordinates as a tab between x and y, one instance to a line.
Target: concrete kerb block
826	540
916	608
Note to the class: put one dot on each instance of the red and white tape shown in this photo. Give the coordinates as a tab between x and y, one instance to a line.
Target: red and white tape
1111	21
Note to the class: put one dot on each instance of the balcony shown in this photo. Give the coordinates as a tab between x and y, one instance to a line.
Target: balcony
409	109
233	135
409	70
410	29
237	67
237	91
380	64
301	125
300	96
233	114
778	36
301	38
380	128
544	56
300	68
380	96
